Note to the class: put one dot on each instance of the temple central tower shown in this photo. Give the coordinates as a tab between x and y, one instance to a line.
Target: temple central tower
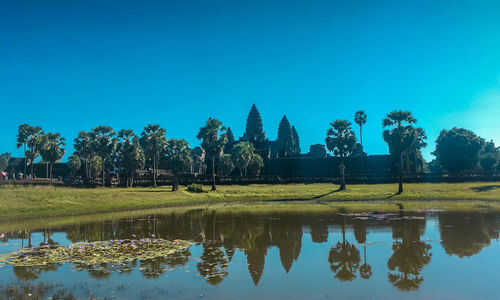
254	130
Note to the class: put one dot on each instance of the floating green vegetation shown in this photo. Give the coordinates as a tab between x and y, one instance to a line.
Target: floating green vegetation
92	255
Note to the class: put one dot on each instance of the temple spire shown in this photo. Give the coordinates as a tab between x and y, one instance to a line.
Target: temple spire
254	129
285	138
230	135
296	141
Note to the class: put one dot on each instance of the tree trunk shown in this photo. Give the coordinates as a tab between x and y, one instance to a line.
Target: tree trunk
213	173
47	169
32	162
102	172
51	176
154	170
342	175
361	135
400	188
132	179
87	171
25	162
175	185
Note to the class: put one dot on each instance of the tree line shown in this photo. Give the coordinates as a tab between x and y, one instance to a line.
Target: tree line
102	149
458	150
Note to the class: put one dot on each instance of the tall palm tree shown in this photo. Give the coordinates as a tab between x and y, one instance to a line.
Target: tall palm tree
340	139
52	149
83	148
242	155
33	143
402	138
104	145
178	159
74	163
213	141
22	140
153	141
130	155
360	119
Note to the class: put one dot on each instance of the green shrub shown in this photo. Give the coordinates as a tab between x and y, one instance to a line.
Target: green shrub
195	188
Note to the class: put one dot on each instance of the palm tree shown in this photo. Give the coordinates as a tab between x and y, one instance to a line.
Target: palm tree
360	119
4	160
153	141
225	165
74	163
33	142
104	145
22	140
213	142
178	159
242	155
402	138
340	139
83	148
52	149
255	165
130	155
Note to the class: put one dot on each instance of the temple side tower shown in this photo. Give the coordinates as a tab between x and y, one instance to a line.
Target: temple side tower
296	141
285	138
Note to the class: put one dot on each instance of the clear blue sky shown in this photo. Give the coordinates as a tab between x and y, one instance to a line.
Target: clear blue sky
71	65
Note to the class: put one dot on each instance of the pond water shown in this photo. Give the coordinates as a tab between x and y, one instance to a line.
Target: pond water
239	254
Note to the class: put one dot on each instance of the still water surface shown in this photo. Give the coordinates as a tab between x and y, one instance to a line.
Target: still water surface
282	254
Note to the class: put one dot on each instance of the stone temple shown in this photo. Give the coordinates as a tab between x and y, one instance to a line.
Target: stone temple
286	145
283	157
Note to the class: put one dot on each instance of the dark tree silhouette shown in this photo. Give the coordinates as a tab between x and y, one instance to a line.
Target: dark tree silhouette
130	155
340	139
153	141
177	158
104	145
360	119
458	149
213	142
402	138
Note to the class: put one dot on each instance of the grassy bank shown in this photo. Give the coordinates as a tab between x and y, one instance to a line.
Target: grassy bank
18	202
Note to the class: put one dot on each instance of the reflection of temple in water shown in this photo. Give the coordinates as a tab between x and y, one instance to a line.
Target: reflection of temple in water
220	234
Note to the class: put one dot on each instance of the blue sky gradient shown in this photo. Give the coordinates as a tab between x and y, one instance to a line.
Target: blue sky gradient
72	65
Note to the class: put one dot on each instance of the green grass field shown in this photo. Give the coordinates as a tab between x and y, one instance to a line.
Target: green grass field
39	201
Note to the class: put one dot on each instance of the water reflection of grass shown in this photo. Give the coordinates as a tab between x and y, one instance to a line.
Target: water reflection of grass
51	201
256	208
39	291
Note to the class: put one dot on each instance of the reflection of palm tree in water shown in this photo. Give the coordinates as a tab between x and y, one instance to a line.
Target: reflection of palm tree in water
409	257
365	270
214	263
344	259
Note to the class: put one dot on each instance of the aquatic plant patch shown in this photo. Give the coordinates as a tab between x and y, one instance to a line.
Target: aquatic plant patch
93	254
